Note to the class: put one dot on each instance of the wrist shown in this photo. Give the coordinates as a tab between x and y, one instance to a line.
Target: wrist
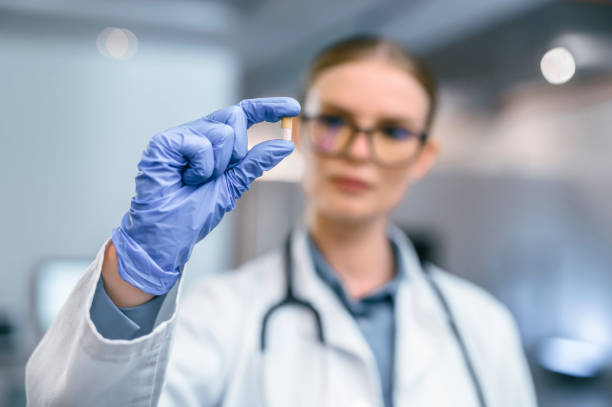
122	293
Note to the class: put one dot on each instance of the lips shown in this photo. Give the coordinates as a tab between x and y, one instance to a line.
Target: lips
351	184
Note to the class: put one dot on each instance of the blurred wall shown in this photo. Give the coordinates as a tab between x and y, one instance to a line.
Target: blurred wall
73	126
546	153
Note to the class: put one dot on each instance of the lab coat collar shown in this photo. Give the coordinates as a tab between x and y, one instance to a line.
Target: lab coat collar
420	322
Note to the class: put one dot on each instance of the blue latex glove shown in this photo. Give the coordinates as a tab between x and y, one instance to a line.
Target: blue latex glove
189	177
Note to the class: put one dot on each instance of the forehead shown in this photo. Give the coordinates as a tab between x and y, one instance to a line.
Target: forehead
370	90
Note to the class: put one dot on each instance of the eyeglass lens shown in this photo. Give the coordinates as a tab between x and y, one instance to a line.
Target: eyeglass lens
391	144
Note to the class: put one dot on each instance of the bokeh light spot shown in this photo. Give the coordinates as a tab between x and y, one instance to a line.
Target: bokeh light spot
558	66
117	43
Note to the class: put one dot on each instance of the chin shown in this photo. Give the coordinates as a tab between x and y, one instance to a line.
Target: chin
350	210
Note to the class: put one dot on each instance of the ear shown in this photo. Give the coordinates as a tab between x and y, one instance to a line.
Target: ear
425	161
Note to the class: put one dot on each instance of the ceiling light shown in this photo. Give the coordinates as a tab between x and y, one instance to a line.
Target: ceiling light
117	43
558	66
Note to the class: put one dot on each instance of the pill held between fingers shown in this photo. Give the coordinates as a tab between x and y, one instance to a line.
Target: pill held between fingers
286	126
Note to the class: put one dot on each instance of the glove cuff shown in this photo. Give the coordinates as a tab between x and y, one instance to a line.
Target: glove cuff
136	267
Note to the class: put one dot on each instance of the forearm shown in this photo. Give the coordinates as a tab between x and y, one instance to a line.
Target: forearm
122	293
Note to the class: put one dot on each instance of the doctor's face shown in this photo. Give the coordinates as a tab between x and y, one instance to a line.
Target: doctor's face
358	185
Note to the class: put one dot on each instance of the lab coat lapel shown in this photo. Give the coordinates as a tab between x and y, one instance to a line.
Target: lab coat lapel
421	326
341	330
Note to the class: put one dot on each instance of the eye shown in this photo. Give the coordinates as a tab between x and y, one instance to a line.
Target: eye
398	133
331	121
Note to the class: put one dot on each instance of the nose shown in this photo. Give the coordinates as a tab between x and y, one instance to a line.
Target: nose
359	150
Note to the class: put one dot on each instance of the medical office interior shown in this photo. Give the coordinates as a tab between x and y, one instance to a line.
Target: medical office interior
520	201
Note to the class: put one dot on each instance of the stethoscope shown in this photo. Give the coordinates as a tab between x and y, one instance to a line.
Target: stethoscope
291	299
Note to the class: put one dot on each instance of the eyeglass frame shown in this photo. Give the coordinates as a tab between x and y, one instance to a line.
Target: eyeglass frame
355	129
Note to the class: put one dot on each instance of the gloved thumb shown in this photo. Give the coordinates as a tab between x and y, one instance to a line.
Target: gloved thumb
260	158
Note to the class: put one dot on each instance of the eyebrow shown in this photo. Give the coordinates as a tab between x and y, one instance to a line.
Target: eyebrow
384	120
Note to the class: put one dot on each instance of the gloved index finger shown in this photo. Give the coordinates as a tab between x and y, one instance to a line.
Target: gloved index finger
269	109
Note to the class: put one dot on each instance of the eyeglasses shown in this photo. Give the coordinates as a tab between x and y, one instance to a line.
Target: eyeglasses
390	145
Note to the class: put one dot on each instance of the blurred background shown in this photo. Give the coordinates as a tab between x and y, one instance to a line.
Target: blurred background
520	203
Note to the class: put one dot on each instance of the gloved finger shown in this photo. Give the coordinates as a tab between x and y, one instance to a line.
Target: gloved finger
260	158
221	137
200	154
234	116
167	156
269	109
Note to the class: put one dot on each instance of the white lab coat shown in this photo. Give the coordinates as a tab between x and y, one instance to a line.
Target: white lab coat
207	353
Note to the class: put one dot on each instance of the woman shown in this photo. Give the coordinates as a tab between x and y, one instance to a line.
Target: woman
391	332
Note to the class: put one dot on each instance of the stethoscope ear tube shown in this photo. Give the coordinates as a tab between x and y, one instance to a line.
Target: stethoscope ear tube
290	299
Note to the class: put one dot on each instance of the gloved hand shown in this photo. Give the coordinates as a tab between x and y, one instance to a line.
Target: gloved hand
189	177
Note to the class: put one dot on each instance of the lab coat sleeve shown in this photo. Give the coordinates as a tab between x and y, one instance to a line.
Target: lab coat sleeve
74	365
